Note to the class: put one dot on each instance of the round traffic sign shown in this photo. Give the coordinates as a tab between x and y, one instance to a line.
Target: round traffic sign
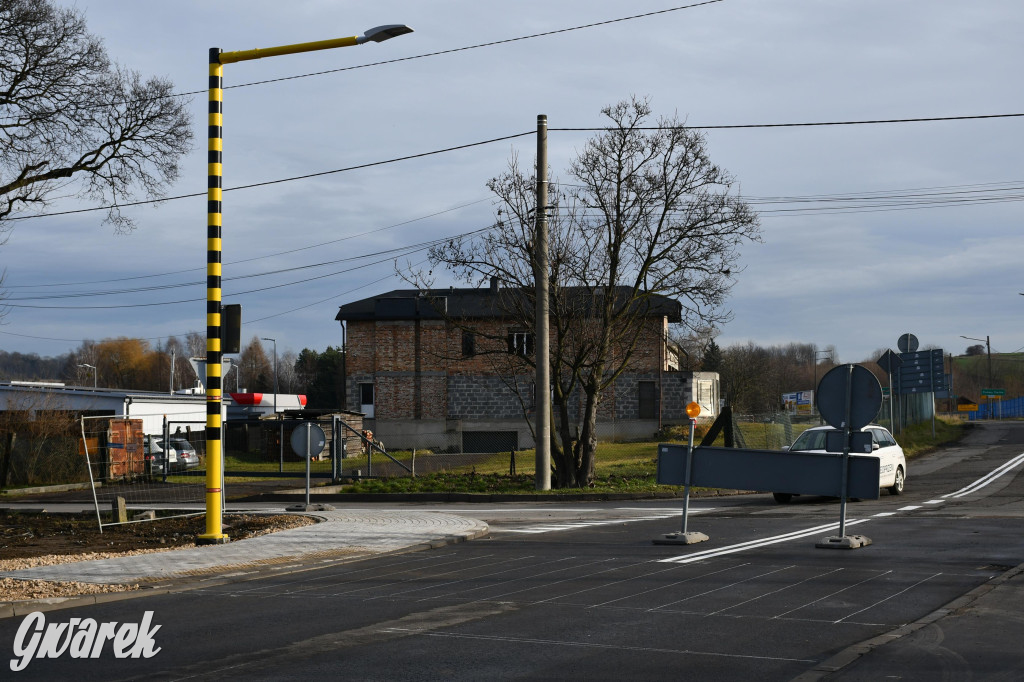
308	440
907	343
849	390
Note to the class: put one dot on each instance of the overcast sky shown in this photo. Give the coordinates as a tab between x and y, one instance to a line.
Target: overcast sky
854	272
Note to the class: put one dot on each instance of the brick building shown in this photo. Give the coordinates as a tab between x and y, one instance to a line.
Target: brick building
444	370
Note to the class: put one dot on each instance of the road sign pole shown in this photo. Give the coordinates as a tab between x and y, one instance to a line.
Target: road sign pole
309	456
686	487
847	433
849	399
685	537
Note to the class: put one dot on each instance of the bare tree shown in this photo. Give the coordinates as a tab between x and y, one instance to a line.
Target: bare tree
257	371
646	217
70	118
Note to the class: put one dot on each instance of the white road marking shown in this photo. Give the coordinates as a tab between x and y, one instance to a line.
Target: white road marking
988	478
754	544
911	507
588	645
573	525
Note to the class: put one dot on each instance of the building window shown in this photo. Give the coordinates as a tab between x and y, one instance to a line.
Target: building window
647	397
366	400
520	343
468	344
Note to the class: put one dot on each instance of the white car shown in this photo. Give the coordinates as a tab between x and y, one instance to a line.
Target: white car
892	463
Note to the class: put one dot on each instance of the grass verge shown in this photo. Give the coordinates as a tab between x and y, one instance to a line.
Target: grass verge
621	468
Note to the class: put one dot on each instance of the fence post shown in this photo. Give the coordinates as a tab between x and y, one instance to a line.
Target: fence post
335	449
414	462
166	448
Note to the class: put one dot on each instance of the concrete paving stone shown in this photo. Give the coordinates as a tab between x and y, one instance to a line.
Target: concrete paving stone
341	533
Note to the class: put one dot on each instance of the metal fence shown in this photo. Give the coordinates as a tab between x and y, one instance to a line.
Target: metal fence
999	409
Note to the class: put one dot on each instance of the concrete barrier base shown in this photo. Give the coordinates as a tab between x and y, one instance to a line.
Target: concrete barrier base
843	542
689	538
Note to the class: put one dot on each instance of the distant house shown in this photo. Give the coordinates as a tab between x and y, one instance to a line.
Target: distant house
439	369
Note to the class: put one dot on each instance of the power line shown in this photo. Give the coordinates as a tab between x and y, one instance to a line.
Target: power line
389	253
255	258
926	119
453	50
280	180
512	137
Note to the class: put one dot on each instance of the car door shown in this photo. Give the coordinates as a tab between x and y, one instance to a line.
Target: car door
886	453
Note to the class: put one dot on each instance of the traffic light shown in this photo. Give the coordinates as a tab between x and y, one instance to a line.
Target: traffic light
231	328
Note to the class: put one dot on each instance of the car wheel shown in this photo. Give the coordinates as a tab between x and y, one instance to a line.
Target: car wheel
782	498
897	486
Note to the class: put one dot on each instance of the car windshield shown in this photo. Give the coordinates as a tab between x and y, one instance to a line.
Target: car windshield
181	444
810	440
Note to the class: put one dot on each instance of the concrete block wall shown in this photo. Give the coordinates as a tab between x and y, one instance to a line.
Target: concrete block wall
419	372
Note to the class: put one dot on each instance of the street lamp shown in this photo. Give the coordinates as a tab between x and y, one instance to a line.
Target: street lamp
93	368
988	350
280	430
823	354
214	479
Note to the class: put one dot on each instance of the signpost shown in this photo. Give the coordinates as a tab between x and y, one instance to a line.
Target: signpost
308	441
849	398
685	537
890	362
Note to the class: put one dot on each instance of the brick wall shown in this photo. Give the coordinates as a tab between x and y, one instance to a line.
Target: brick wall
419	371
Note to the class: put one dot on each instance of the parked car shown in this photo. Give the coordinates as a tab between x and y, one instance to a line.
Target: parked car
180	456
892	470
157	461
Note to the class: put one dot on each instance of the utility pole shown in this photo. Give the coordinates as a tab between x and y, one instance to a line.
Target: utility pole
542	476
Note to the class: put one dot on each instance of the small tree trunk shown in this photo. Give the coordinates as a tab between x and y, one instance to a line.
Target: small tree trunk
8	455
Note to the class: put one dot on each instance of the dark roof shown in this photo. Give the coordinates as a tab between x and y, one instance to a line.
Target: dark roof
464	303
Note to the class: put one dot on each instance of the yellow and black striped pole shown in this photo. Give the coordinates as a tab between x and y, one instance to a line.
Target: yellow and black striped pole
214	455
214	450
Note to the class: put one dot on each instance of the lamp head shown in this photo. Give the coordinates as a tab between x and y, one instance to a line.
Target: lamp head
379	34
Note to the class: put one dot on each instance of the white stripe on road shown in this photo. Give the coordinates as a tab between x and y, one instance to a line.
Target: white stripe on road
754	544
990	477
572	525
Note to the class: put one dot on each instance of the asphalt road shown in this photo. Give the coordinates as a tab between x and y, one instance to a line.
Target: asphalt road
580	592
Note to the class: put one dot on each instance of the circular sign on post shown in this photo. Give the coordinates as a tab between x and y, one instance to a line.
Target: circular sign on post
308	440
849	389
907	343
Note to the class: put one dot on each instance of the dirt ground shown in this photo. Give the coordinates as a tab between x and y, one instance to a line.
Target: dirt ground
28	540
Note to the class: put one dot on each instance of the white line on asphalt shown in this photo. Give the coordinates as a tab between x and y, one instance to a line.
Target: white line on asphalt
935	502
720	588
882	601
572	525
989	477
911	507
660	587
832	594
589	645
886	514
753	544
